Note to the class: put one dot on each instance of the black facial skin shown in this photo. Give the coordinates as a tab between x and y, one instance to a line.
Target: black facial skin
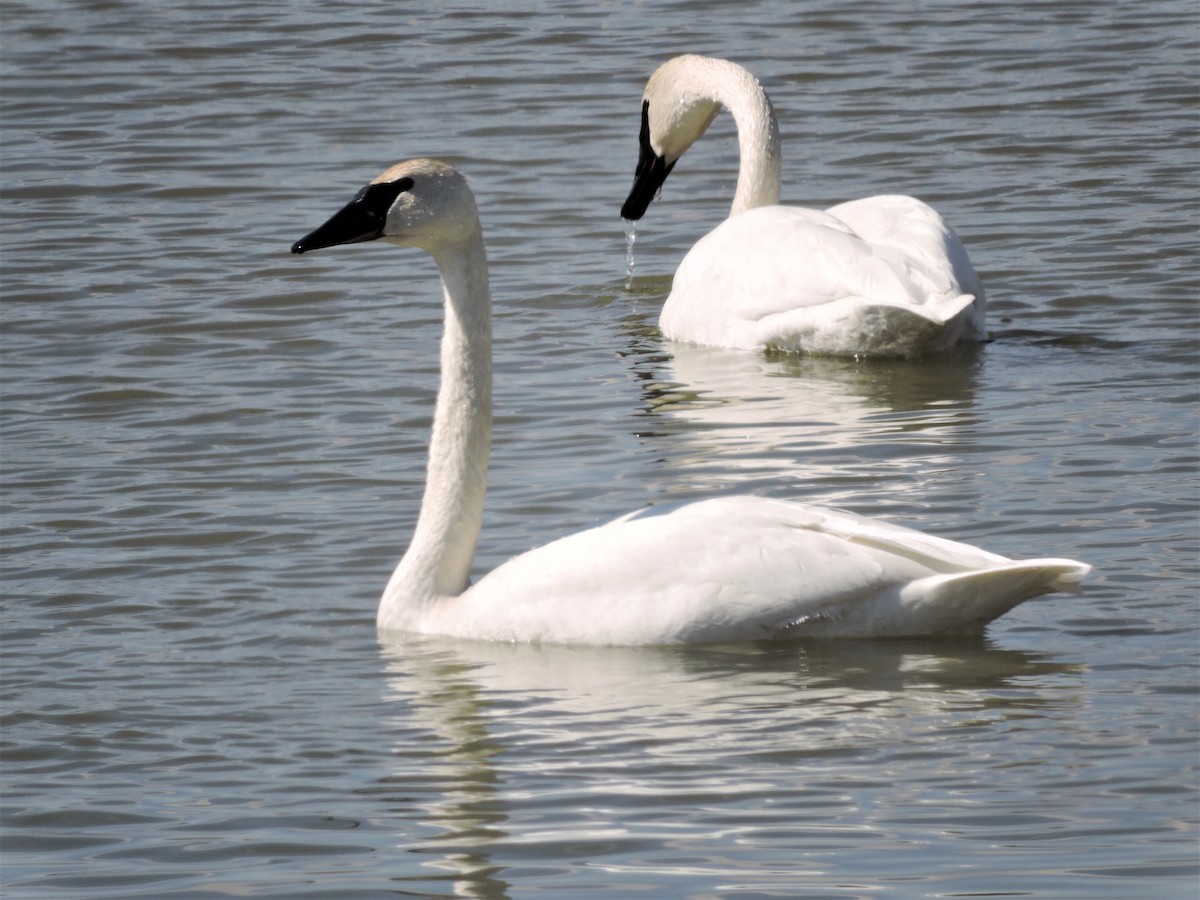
652	170
362	219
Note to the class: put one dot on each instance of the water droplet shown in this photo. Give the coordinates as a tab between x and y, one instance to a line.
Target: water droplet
630	262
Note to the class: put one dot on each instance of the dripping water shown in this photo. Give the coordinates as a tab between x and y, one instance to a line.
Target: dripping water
630	262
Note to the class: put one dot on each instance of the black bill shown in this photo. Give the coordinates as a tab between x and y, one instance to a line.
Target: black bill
362	219
652	171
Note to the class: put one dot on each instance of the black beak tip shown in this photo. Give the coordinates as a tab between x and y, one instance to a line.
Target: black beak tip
298	247
652	171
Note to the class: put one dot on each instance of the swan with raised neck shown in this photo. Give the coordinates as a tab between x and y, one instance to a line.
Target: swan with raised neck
880	276
426	203
730	568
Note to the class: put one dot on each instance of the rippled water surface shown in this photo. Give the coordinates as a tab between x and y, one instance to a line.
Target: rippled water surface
213	453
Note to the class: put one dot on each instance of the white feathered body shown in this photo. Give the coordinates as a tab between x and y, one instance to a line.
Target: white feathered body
741	568
881	276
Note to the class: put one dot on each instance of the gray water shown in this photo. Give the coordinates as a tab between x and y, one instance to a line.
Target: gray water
213	452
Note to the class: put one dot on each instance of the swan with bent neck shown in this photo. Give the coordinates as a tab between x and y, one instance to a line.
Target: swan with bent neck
731	568
880	276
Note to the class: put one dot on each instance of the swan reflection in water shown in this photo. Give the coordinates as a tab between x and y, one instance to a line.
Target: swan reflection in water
845	431
590	758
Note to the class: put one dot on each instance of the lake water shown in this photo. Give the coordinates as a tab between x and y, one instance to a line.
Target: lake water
213	453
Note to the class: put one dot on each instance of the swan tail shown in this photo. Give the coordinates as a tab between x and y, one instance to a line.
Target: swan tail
965	602
949	308
856	326
961	603
935	312
913	329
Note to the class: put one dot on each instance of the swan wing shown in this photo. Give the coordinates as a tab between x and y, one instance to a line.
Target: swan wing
795	278
726	569
918	233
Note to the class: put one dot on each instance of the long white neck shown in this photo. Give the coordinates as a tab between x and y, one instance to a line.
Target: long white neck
438	561
759	174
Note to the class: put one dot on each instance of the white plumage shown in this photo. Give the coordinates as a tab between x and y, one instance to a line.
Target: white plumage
731	568
880	276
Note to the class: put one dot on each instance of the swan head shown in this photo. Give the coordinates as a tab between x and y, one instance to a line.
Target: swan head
677	108
417	203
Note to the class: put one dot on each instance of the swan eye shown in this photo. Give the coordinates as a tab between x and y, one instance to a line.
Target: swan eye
376	199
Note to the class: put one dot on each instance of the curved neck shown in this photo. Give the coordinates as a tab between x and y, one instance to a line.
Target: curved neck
438	561
759	173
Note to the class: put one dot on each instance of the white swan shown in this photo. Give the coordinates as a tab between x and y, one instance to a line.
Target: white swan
881	276
732	568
